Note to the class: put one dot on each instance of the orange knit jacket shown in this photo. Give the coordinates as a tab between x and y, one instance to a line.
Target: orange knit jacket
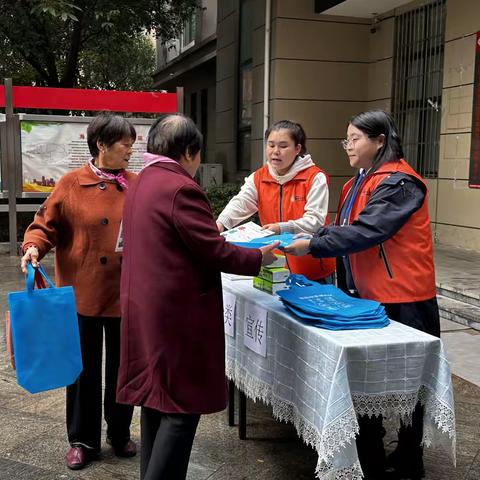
81	219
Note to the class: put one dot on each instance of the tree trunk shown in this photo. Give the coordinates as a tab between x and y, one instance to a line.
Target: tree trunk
69	78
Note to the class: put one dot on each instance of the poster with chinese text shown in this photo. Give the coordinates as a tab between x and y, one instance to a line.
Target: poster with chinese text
51	149
255	329
229	301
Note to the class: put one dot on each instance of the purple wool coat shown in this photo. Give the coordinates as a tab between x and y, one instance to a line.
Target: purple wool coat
172	331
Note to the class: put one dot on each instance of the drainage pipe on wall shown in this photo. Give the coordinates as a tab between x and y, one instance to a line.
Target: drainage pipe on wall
266	76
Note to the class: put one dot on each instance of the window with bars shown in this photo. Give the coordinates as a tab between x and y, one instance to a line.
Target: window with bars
417	86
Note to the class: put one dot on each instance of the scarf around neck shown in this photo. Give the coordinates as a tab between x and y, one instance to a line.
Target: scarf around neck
119	177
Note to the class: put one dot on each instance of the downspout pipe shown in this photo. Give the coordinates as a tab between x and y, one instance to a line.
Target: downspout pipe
266	76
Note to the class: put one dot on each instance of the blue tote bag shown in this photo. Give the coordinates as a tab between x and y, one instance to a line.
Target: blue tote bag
328	307
45	335
284	239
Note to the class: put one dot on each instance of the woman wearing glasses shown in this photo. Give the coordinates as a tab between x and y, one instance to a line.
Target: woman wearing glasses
290	194
383	244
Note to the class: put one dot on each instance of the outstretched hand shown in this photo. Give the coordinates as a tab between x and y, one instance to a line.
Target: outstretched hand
298	248
268	256
274	227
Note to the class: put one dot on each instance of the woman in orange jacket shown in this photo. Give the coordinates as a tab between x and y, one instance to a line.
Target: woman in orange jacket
383	242
81	220
290	194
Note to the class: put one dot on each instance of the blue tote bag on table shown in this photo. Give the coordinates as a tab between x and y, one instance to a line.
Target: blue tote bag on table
45	335
328	307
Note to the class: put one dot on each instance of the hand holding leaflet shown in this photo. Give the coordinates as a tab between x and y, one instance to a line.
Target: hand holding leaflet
245	232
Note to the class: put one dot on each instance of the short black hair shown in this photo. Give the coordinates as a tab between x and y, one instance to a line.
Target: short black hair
174	135
108	128
378	122
295	130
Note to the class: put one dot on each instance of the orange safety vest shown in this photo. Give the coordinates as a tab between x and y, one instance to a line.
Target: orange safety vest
401	269
280	203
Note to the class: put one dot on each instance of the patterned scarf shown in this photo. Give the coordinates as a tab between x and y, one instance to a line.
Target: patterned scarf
119	177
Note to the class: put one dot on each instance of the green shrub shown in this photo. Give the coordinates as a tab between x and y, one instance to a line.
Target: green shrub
220	195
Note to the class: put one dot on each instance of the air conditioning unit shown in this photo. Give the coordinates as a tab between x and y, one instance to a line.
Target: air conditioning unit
209	174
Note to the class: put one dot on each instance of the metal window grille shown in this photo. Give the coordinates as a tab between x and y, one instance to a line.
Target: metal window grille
418	79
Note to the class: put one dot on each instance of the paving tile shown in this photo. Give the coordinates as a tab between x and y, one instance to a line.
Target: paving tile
474	470
463	351
33	437
448	326
465	391
437	469
11	469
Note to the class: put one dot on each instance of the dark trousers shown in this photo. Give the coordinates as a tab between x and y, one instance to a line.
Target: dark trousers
84	397
408	456
167	441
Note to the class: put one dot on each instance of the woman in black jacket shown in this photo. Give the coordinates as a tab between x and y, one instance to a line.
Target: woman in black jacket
383	244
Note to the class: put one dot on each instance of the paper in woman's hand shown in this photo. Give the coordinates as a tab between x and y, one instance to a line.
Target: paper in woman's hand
245	233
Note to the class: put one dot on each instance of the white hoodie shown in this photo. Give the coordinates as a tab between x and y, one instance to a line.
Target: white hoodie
245	204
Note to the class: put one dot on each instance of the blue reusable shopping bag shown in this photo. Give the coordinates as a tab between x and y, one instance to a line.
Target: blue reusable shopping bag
45	335
328	307
284	239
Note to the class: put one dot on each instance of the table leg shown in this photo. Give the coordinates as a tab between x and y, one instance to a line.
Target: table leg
242	416
231	403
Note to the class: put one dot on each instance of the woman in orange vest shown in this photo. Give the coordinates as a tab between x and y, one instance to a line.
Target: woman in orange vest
383	244
290	194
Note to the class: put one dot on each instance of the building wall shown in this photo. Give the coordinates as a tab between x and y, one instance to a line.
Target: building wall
258	73
324	70
206	23
194	81
194	70
456	211
226	87
208	20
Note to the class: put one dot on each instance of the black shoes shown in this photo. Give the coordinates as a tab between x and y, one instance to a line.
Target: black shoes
403	465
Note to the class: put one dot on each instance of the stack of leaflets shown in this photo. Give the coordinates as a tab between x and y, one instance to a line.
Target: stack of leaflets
245	233
328	307
250	235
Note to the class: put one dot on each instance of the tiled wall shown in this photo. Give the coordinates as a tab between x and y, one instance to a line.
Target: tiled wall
324	70
456	211
226	104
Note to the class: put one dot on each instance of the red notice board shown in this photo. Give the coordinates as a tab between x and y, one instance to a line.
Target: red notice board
474	176
81	99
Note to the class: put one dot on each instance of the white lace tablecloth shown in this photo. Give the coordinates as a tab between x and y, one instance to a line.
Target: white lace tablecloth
321	380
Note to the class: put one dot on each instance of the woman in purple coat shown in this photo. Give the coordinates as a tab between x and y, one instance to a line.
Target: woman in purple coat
172	338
